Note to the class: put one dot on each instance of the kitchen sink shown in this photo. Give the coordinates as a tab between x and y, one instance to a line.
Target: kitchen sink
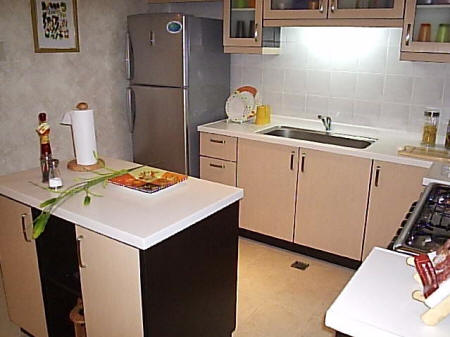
357	142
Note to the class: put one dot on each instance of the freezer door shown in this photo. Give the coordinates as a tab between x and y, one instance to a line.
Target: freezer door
159	137
156	55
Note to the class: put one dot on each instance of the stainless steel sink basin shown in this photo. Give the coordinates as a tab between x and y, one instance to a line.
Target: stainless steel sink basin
356	142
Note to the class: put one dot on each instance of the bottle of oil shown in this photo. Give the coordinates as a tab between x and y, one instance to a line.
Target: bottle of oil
430	127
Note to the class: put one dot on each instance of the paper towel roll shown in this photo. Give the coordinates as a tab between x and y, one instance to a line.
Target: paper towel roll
83	131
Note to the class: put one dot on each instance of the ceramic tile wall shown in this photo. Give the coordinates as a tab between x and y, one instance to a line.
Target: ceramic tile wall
31	82
352	74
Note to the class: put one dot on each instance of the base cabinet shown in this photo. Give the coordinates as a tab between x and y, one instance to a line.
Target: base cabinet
20	271
268	175
111	286
394	188
331	202
338	204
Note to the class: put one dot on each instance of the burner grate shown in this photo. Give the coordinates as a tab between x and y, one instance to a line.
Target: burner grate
432	227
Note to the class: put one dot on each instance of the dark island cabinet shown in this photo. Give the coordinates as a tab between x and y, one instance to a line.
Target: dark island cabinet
182	286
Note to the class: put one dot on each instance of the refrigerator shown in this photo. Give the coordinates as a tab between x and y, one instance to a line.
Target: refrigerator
179	78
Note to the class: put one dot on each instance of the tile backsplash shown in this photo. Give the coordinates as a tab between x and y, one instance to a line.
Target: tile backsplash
353	74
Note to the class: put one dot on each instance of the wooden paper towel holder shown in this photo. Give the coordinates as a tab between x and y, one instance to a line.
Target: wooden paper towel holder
73	165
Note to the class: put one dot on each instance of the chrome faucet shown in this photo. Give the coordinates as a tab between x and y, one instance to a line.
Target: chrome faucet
326	120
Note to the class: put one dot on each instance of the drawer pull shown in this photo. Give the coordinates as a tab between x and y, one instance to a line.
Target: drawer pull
80	262
217	141
292	161
24	227
302	166
377	176
217	166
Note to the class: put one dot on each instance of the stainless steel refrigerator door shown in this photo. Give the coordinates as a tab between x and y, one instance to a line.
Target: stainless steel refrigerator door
156	55
159	136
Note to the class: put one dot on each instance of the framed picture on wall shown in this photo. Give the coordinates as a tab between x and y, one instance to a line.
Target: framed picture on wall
55	26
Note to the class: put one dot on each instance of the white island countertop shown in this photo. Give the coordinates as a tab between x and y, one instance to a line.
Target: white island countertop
377	301
385	148
132	217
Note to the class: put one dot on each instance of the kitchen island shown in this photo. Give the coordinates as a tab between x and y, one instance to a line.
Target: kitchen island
161	264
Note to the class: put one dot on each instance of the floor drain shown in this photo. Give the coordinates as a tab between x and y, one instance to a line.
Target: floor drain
300	265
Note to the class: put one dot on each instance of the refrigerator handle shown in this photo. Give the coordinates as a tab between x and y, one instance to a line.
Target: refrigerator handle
128	57
131	112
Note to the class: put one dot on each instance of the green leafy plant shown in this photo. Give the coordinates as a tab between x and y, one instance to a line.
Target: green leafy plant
50	205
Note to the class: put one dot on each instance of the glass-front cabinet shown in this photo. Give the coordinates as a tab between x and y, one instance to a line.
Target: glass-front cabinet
339	9
427	26
242	23
295	9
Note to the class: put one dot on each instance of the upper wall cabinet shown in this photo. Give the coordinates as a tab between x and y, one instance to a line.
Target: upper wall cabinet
243	28
342	12
426	32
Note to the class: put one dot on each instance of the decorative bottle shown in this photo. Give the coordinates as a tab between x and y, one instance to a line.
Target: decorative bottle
43	131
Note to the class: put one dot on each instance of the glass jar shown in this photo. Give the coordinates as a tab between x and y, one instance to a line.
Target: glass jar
54	176
430	126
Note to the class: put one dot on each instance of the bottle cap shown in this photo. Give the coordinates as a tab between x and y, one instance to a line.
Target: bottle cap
431	113
42	117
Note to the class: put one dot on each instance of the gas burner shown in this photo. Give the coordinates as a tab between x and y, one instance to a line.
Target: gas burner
428	226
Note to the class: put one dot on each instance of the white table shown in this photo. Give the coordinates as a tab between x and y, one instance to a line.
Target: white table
377	301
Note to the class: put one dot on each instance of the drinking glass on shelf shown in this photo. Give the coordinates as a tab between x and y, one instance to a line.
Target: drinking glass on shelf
240	28
424	33
442	33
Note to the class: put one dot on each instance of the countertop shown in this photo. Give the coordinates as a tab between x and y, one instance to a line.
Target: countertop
385	148
377	301
438	173
132	217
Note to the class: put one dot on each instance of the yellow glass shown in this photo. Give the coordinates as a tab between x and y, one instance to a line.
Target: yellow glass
260	115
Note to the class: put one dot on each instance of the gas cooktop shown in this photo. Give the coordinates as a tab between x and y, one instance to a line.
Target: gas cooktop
427	226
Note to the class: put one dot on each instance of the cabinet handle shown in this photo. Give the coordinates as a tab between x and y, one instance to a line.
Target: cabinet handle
321	6
256	32
302	165
24	227
152	38
292	161
333	6
217	166
80	261
217	141
377	176
408	34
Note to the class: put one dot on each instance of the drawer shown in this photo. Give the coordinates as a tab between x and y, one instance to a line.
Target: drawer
218	146
219	171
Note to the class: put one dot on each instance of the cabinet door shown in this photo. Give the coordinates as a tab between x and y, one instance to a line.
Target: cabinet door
242	23
394	188
331	202
111	286
268	175
295	9
366	9
219	171
20	269
421	18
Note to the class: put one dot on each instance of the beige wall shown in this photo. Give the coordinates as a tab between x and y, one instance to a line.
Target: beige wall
31	82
